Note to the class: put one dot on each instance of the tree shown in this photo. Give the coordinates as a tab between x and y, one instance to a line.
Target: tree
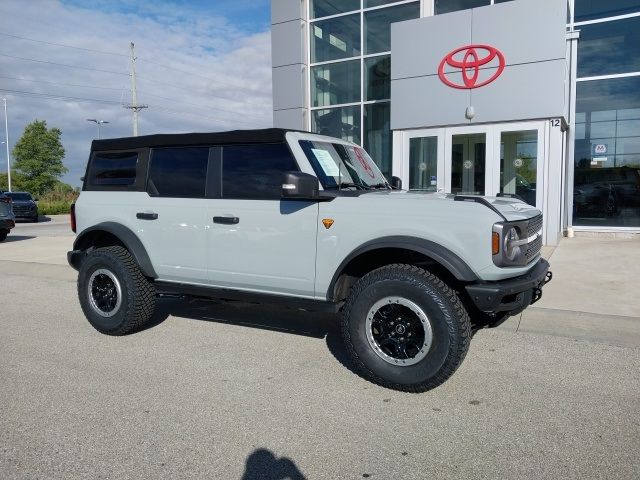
38	158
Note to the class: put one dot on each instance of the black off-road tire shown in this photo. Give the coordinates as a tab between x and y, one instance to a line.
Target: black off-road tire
138	293
446	315
3	235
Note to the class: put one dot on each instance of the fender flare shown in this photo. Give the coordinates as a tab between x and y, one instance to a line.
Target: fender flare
445	257
129	239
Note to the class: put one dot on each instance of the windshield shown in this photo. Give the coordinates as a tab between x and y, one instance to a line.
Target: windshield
20	197
342	166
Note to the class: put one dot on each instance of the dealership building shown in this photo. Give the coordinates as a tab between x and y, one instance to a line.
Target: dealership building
534	98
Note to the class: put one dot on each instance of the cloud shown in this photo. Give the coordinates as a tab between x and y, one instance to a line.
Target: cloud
197	71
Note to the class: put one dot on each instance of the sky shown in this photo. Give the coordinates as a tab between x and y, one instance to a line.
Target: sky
202	66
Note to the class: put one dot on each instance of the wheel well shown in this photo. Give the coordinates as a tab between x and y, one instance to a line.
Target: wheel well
373	259
98	239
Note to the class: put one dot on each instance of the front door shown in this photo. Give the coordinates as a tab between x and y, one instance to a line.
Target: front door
257	241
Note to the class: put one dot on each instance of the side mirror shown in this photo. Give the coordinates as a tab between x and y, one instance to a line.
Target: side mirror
396	183
300	186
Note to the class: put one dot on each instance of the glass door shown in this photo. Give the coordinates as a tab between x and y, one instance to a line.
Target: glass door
424	170
467	169
521	149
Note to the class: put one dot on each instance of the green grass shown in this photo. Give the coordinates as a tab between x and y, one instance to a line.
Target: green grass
55	203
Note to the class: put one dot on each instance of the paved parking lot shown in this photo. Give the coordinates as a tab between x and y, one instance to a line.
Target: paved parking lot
236	391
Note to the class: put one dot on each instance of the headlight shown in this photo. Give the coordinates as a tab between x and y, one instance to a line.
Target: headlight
512	249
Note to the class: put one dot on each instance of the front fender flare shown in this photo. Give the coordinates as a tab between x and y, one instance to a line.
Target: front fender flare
445	257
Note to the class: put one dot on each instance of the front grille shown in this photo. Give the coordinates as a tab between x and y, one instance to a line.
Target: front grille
532	249
20	210
534	225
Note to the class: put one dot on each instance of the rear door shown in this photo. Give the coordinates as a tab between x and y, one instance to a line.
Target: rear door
257	241
171	218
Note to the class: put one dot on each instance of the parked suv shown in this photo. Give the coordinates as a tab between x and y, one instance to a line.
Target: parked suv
294	217
7	219
24	206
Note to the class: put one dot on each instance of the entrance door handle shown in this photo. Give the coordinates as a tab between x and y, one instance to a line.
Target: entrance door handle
147	216
226	220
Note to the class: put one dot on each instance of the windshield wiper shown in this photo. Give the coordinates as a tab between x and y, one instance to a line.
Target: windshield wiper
380	185
349	185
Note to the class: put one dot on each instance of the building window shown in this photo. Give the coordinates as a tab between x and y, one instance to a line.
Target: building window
594	9
341	122
324	8
377	78
349	96
609	47
446	6
377	25
377	137
335	38
607	153
335	83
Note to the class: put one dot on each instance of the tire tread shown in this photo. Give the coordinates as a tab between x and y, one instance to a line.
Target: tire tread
459	328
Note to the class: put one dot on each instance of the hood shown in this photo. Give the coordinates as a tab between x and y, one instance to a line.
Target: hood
511	208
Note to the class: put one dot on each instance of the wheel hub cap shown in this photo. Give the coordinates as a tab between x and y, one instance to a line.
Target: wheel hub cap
398	331
104	292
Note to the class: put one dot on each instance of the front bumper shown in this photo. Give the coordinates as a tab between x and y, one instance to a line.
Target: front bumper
7	223
512	295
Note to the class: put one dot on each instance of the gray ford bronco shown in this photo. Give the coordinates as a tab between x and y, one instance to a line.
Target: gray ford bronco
298	218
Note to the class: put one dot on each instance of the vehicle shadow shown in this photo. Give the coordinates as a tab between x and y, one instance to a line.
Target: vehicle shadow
17	238
292	320
262	464
41	219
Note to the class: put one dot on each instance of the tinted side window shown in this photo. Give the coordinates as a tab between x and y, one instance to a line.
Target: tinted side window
178	172
113	169
255	171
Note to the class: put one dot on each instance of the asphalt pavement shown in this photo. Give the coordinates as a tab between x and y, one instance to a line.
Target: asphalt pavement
236	391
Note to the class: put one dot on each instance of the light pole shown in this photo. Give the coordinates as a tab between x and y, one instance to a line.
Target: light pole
97	122
6	133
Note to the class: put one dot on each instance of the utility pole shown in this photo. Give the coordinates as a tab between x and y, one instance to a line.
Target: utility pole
134	107
6	132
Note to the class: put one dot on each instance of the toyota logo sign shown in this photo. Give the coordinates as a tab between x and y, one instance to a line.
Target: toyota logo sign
467	61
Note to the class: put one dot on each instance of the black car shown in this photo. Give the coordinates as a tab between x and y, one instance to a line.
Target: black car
7	220
23	205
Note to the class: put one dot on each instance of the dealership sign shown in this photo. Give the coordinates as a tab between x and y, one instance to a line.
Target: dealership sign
466	63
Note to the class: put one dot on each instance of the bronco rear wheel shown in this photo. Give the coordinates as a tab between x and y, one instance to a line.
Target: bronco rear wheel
114	294
405	329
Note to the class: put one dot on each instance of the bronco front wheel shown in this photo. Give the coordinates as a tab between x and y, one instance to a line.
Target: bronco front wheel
405	329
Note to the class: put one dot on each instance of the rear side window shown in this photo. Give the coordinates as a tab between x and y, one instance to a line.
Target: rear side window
255	171
178	172
113	169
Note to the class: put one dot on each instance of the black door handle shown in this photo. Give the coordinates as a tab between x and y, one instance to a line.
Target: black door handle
147	216
226	220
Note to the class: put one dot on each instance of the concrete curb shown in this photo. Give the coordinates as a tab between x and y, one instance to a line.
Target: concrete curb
610	329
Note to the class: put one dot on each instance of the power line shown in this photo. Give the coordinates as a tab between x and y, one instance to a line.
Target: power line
60	97
113	102
168	67
62	84
63	64
203	107
63	45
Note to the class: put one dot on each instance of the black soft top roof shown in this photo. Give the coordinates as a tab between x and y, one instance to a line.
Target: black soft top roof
266	135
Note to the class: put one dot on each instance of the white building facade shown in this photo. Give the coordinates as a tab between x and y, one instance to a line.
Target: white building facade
534	98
